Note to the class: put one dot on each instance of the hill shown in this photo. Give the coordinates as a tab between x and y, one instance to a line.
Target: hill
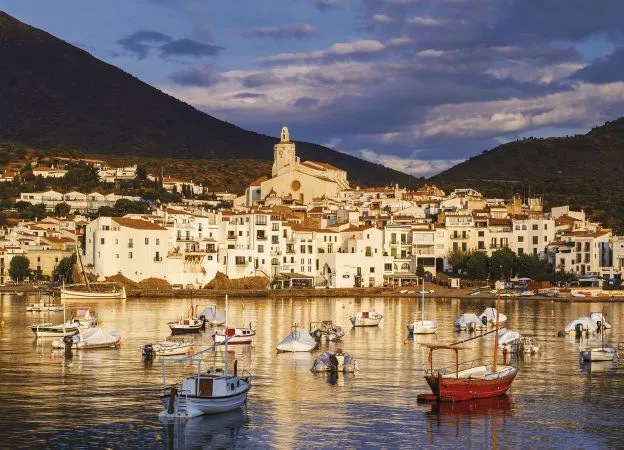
57	96
584	171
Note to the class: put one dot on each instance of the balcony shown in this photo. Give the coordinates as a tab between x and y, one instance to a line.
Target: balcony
185	239
231	236
261	238
459	236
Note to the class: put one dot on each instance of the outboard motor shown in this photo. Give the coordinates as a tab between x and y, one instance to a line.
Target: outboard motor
333	363
69	342
599	325
578	329
203	321
472	327
148	352
484	320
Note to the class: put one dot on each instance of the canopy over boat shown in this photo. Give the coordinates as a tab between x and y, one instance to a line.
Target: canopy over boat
468	320
507	337
584	324
297	341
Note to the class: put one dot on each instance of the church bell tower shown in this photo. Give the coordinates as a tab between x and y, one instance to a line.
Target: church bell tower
283	153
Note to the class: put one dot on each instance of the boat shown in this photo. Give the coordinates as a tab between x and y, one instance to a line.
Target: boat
366	319
602	353
580	325
469	322
92	338
422	326
242	335
600	320
475	292
490	315
82	317
190	324
210	392
299	340
482	381
527	293
326	329
90	290
166	348
212	315
338	361
41	306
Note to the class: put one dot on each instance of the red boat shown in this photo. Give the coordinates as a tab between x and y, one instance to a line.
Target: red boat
480	381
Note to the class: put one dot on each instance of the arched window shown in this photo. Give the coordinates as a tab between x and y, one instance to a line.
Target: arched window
405	266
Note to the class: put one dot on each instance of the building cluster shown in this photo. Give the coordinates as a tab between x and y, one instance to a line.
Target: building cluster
306	226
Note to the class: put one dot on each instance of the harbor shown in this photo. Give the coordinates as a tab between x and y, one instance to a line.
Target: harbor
109	397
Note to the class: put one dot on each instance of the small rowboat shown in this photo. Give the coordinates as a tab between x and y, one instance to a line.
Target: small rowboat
366	319
166	348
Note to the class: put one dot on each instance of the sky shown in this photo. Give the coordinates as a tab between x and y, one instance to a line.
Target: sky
416	85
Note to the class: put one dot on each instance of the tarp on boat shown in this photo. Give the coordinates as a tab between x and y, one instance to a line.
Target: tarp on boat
490	313
508	336
213	316
585	322
599	317
297	341
464	321
92	338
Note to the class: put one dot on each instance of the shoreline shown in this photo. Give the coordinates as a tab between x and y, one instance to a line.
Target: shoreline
439	292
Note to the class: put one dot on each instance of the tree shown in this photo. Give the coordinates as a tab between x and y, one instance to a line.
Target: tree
62	209
502	264
65	268
21	205
141	173
420	270
531	266
81	176
124	206
457	260
19	268
477	266
106	211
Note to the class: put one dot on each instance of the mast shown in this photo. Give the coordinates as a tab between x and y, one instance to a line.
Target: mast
422	302
226	334
84	275
496	334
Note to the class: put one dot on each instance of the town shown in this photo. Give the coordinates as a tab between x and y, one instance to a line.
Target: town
305	226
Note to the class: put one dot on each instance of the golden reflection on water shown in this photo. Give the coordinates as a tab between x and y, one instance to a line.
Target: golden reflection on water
104	394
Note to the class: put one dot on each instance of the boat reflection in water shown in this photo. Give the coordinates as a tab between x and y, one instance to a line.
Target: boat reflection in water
217	431
597	366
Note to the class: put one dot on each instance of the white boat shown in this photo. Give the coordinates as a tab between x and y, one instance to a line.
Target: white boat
598	317
166	348
366	319
488	316
205	393
582	324
327	330
185	326
422	326
242	335
299	340
81	318
93	291
469	322
527	293
212	315
92	338
335	362
599	354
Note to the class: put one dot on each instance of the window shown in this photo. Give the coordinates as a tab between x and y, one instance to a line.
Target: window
388	267
393	238
275	262
240	233
146	241
260	235
545	226
455	247
240	261
101	241
117	255
260	248
372	270
464	247
535	226
520	251
275	226
368	251
302	249
157	241
129	255
309	249
274	239
520	238
116	241
481	245
481	233
535	240
130	244
285	260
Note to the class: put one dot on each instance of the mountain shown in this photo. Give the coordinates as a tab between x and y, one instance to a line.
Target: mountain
57	96
585	171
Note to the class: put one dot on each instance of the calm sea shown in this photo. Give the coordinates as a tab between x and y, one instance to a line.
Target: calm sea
109	398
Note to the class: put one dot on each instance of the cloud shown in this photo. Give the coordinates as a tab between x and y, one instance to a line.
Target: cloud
604	70
188	47
425	21
382	18
295	30
412	166
306	102
327	4
196	76
140	42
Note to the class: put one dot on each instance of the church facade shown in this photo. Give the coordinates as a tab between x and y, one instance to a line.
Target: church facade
294	181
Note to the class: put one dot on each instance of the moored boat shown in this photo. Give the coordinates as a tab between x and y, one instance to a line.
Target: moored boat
338	361
51	330
422	326
469	322
299	340
366	319
93	291
212	315
599	354
166	348
92	338
185	326
580	325
242	335
490	315
327	330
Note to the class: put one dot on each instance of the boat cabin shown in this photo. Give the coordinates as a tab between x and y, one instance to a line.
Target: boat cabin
212	385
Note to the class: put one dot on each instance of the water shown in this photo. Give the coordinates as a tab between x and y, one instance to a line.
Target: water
109	398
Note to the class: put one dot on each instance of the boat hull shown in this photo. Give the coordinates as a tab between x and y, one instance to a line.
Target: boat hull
72	294
53	331
459	389
599	354
365	322
196	406
423	327
235	339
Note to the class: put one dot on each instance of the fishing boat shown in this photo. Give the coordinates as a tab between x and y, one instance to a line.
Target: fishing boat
602	353
469	322
242	335
166	348
299	340
190	324
366	319
82	317
480	381
490	315
90	339
338	361
90	290
210	392
422	326
326	330
212	315
42	306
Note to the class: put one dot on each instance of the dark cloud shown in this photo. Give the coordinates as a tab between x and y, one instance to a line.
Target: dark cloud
324	5
305	102
294	31
244	95
260	79
604	70
196	76
140	42
189	47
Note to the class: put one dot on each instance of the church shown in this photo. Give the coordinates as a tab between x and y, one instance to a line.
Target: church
293	181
